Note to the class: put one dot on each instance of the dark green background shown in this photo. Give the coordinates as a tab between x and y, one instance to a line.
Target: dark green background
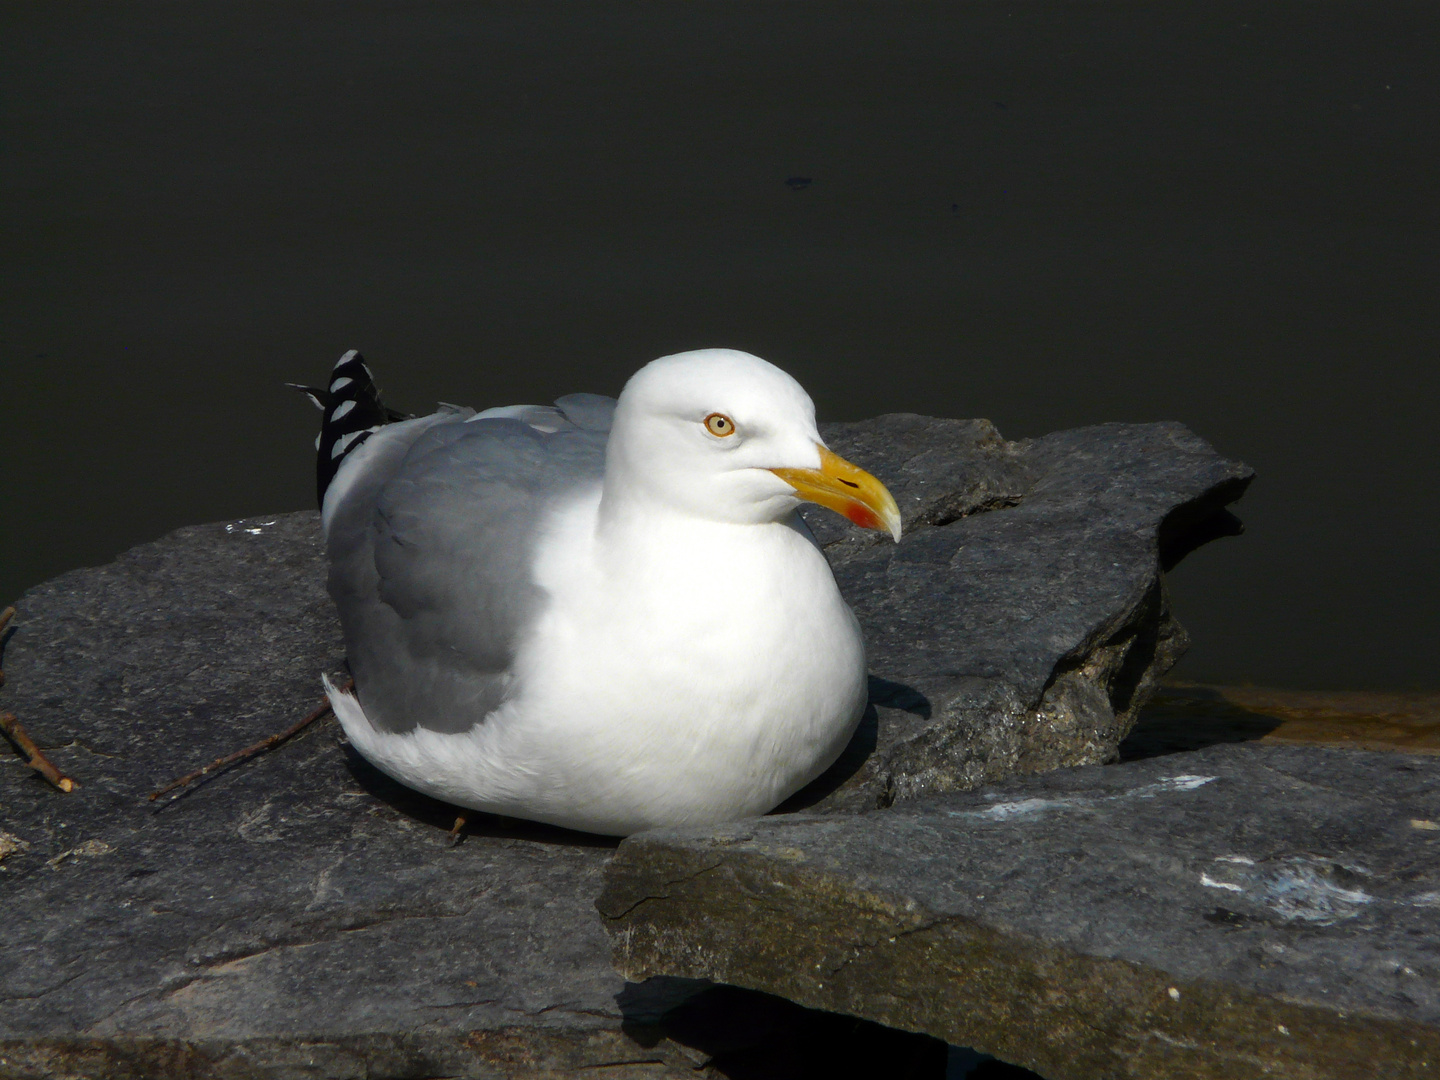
1049	214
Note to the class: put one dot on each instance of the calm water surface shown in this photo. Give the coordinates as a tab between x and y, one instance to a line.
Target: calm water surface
1047	214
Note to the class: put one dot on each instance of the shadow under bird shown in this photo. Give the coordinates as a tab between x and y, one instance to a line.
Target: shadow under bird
603	614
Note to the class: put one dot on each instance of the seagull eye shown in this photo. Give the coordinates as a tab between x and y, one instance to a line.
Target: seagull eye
719	425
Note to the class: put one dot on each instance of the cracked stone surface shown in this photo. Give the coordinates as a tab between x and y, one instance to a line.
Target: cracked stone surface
299	914
1238	911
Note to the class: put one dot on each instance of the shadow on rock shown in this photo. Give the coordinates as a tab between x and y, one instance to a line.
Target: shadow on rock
883	692
749	1035
1179	719
441	815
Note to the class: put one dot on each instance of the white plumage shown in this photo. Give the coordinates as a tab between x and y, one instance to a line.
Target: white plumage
604	625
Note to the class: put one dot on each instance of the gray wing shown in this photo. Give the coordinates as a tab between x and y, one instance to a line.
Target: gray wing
431	554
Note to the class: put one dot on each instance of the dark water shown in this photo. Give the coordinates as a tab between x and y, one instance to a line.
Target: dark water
1048	214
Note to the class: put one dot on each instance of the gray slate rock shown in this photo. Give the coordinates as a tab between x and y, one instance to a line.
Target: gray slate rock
300	914
1233	912
296	916
1023	620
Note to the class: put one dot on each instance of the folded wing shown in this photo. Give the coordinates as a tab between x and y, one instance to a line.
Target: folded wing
431	539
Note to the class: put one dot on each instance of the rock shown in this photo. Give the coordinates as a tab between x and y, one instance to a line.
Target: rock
296	915
1023	620
1233	912
299	913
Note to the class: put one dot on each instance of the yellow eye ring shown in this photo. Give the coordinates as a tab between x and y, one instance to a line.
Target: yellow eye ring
719	425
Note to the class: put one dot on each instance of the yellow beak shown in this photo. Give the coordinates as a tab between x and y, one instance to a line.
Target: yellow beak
853	493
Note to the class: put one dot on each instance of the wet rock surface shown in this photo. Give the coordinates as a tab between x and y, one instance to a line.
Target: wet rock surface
1232	912
299	914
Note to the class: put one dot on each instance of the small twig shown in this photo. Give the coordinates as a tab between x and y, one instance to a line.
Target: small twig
249	751
35	759
9	724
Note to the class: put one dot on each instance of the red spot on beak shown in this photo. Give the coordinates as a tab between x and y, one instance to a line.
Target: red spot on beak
863	516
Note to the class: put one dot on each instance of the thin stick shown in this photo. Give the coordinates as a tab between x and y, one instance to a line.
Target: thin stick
249	751
10	725
35	759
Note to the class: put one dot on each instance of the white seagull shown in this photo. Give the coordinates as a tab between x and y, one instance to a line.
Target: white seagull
605	615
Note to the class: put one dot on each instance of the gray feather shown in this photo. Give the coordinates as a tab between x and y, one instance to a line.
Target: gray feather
431	555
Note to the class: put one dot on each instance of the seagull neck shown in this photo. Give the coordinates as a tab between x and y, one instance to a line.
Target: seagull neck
630	512
634	524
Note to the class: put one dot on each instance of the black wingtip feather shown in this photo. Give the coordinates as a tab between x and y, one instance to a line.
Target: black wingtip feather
319	397
353	412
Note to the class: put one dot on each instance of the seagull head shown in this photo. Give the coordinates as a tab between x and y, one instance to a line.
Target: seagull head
725	435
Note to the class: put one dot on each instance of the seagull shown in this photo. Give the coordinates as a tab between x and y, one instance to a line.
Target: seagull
606	615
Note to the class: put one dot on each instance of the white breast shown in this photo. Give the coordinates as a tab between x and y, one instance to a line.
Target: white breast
692	673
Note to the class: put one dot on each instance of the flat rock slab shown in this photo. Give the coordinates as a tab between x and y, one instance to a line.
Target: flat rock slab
302	915
1238	911
296	916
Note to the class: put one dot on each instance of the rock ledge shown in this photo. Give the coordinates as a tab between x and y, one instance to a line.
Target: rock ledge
1232	912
